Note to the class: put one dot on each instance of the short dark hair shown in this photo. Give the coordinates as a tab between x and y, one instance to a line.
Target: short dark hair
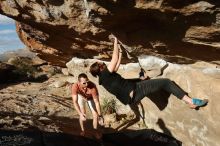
82	75
94	69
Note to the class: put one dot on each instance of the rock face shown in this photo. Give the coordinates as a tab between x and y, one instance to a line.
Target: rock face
167	113
6	71
181	31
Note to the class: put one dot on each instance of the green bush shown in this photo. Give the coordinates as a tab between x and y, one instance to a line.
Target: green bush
109	106
24	67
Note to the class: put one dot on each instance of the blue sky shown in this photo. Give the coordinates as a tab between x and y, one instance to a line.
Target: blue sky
9	40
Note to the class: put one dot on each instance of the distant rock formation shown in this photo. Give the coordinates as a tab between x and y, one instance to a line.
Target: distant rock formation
4	57
18	69
180	31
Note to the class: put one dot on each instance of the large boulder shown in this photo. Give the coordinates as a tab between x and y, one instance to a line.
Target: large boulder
181	31
166	113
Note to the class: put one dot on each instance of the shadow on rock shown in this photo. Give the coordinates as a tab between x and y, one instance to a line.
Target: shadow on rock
140	138
160	99
40	138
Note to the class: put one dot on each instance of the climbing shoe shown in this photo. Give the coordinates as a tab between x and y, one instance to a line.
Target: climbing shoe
198	102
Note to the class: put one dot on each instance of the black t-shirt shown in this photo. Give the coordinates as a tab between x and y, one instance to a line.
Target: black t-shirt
117	85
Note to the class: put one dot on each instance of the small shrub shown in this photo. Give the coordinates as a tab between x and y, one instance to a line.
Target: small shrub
24	67
109	106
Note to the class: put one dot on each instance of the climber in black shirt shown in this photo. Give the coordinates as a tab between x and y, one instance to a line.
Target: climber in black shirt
130	92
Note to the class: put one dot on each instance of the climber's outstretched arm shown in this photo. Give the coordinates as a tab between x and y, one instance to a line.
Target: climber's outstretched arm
116	59
119	59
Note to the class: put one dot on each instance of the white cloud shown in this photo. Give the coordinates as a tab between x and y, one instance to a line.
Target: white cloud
12	44
5	20
6	31
9	40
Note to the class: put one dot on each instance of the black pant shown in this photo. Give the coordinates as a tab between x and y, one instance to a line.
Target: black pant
147	87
